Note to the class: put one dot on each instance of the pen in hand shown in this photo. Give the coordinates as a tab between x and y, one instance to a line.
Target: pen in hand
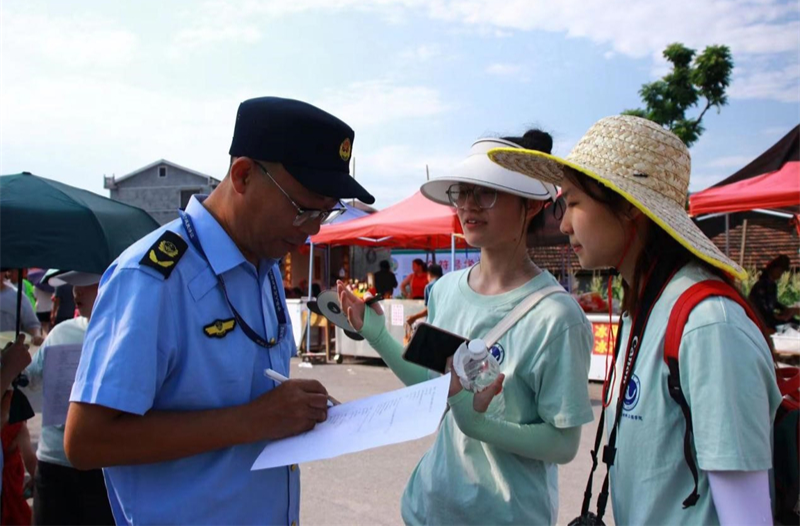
279	378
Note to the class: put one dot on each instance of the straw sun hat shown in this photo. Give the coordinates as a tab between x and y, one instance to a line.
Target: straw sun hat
644	163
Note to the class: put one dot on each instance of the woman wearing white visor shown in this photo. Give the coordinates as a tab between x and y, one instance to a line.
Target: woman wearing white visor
496	468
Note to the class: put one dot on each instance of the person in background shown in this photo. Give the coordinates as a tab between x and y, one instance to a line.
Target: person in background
434	273
764	295
18	456
63	494
495	463
63	305
27	287
8	313
13	359
44	307
413	286
385	280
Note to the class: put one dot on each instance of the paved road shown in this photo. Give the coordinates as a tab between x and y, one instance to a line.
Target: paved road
365	488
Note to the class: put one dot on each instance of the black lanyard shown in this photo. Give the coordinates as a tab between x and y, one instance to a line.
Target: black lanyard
660	275
249	332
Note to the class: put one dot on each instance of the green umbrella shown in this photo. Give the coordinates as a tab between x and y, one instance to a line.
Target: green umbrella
45	223
50	224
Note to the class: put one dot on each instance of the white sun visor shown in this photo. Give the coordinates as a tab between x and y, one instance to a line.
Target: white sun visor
479	170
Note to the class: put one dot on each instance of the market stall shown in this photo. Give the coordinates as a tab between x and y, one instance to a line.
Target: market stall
414	222
396	311
605	337
770	185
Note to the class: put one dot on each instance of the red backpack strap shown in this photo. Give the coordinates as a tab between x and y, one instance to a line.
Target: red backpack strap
672	342
688	301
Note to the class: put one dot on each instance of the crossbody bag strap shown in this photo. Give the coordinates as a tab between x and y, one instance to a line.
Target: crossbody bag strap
518	312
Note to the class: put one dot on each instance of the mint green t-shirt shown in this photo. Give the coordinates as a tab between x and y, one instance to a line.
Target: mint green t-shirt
728	379
545	358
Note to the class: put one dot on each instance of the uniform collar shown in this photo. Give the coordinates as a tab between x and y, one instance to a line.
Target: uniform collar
221	251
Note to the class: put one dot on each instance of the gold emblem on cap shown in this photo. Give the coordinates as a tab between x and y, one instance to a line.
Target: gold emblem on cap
344	149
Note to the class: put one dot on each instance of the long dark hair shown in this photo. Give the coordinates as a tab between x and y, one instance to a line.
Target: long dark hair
657	244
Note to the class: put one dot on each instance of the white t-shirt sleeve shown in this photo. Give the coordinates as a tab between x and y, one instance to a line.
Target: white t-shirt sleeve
30	322
741	497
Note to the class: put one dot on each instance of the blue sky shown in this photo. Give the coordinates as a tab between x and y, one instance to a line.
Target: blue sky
94	88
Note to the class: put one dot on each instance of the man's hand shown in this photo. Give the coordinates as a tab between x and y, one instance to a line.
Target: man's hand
291	408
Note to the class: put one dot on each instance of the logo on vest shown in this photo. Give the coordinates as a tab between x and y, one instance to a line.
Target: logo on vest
631	400
498	352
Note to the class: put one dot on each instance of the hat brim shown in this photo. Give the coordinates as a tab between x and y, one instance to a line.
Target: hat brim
664	212
74	278
477	171
330	183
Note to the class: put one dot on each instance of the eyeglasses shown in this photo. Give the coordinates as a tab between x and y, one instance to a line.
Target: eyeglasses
304	215
482	196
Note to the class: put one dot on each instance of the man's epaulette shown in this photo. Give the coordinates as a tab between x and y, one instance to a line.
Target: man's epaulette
165	253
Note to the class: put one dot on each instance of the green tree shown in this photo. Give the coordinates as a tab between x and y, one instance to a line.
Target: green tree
666	101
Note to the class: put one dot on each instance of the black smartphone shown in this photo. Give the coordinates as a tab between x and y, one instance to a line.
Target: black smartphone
431	347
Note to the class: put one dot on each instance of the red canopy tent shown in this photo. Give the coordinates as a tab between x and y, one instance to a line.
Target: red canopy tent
769	185
771	181
414	222
778	189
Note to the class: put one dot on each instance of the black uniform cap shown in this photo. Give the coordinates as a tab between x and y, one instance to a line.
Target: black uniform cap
313	145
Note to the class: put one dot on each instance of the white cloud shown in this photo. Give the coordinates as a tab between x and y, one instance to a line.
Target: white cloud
732	161
504	70
628	27
702	181
396	171
105	126
370	103
764	82
422	53
775	130
83	40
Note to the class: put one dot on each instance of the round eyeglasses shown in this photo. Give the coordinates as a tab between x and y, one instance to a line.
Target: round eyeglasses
482	196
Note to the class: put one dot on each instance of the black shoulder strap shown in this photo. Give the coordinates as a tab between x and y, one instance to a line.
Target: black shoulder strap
165	253
598	439
657	280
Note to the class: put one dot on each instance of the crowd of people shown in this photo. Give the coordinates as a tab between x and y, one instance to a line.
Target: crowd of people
170	406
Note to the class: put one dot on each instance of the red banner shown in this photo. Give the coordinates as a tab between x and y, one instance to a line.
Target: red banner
603	344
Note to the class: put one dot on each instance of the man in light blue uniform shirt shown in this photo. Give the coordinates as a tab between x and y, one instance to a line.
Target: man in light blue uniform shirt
170	398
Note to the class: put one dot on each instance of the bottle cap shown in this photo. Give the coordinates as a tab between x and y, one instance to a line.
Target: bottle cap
476	346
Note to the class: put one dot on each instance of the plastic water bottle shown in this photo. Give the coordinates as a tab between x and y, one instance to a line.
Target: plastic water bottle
477	369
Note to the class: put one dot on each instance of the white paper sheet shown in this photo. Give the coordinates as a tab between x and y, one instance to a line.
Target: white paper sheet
388	418
60	366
